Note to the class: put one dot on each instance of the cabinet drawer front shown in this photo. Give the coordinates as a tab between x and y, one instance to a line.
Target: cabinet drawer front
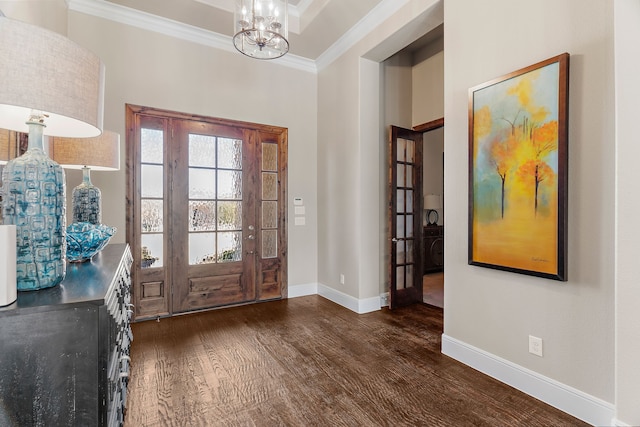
432	231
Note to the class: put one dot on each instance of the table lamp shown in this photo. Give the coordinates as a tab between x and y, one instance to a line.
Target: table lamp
49	85
101	153
5	146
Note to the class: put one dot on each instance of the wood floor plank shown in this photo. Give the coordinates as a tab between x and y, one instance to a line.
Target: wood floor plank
309	362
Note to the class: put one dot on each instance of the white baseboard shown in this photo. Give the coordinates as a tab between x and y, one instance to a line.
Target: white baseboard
302	290
588	408
360	306
618	423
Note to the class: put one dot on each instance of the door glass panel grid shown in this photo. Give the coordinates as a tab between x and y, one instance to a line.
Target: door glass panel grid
215	199
405	196
152	197
269	202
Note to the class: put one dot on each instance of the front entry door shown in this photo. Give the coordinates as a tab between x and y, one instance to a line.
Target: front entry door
209	220
214	237
405	217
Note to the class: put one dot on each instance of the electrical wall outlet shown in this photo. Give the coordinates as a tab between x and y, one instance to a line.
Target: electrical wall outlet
535	345
384	299
342	279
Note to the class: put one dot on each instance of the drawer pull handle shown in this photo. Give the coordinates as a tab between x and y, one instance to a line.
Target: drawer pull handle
127	358
124	374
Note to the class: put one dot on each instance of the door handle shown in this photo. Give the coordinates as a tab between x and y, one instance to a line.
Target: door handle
394	240
251	237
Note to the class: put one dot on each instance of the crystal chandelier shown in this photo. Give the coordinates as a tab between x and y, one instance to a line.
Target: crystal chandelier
261	28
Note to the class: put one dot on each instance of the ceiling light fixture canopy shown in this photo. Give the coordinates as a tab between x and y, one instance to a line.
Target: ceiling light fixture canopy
261	28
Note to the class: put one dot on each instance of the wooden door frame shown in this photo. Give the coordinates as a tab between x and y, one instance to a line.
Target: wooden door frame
406	295
423	128
432	125
265	133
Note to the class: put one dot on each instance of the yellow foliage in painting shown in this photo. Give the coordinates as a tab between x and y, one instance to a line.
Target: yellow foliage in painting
482	122
538	115
547	134
523	91
503	153
536	171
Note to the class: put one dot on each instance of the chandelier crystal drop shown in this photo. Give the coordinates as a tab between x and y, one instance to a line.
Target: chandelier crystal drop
261	28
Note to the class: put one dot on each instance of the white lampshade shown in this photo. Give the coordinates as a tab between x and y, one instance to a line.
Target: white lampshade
101	153
432	201
46	72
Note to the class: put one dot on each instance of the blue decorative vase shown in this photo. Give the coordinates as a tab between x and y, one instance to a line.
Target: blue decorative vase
33	199
87	200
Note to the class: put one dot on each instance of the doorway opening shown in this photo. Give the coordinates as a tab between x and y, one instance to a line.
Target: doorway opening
414	94
433	225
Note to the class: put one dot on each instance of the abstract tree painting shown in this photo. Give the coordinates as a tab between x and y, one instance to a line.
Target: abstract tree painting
518	170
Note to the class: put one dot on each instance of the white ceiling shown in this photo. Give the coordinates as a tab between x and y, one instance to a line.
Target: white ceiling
315	25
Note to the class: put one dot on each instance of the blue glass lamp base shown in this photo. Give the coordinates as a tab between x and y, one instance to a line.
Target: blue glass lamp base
33	199
86	204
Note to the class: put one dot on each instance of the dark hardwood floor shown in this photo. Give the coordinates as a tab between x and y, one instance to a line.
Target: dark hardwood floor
309	362
433	289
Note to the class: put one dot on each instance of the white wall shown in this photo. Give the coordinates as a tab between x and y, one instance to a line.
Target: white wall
495	311
398	90
149	69
627	234
428	88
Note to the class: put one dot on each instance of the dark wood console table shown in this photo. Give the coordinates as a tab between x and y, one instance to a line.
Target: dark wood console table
64	352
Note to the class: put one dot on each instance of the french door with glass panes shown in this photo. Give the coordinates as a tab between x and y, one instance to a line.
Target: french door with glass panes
207	211
405	217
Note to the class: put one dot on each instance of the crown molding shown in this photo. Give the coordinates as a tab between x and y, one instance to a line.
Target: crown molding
136	18
146	21
372	20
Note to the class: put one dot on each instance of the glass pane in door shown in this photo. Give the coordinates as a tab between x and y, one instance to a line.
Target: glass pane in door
202	215
202	248
215	199
405	205
151	214
269	236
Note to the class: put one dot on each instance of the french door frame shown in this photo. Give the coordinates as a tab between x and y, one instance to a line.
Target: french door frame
410	235
269	274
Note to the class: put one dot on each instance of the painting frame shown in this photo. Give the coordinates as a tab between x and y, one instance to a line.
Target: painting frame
518	171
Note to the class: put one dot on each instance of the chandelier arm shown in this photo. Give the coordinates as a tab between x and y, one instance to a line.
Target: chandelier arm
253	14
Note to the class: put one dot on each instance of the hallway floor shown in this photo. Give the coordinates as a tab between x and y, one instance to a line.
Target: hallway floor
433	289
